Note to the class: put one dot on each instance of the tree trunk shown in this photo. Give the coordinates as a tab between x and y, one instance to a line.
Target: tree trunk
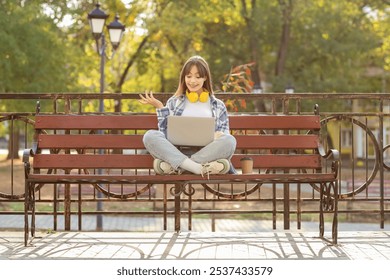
129	64
285	36
250	20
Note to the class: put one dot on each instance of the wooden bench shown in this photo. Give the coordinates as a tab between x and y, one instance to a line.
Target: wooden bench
90	149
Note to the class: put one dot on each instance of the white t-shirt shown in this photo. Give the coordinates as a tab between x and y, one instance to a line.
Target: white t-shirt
197	109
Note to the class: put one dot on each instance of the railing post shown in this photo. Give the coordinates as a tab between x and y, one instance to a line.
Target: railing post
381	167
67	192
177	193
286	186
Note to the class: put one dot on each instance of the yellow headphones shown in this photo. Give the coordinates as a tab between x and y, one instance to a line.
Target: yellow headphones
195	97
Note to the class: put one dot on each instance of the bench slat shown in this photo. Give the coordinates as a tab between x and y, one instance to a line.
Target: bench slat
86	141
75	161
150	122
275	122
115	161
280	161
94	122
277	141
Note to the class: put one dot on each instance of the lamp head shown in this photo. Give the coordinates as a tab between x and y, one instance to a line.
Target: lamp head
115	29
97	19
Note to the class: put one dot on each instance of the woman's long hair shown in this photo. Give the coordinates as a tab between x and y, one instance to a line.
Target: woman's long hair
204	72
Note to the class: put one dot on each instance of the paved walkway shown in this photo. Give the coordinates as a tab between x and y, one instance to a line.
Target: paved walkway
278	245
199	255
142	238
236	247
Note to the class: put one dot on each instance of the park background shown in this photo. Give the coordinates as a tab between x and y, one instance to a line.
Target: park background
329	48
333	46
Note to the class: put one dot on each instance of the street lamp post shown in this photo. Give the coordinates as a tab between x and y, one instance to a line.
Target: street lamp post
97	19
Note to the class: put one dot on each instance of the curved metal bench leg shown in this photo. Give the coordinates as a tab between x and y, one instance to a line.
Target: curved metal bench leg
177	191
26	209
321	226
335	213
329	204
32	211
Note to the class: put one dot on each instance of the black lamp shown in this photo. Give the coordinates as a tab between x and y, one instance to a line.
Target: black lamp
97	19
115	29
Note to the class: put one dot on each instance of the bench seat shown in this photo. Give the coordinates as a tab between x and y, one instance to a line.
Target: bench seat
183	178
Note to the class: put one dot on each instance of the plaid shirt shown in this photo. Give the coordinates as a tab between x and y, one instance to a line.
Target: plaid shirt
175	106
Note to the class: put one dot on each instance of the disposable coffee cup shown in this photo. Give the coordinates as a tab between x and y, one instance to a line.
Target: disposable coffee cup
246	165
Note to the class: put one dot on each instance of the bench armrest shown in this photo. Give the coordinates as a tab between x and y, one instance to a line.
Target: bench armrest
27	153
331	154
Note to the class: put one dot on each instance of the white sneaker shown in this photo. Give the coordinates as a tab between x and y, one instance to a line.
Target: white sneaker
162	167
220	166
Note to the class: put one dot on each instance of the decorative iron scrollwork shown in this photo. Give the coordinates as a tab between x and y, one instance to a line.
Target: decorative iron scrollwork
328	199
189	190
176	190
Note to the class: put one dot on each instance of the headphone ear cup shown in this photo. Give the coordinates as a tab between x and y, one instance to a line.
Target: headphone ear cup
192	96
204	96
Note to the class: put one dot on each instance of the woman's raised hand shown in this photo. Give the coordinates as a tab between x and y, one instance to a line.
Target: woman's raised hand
148	98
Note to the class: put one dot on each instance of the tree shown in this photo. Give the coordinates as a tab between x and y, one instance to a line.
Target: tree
34	56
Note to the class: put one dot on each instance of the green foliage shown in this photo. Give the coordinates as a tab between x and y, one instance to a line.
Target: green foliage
334	49
35	53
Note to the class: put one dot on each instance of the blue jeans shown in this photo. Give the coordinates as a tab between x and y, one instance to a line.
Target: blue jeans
159	147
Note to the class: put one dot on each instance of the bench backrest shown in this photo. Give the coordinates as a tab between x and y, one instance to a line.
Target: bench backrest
115	141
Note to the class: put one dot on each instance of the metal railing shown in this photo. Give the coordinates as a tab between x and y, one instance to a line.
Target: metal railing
357	124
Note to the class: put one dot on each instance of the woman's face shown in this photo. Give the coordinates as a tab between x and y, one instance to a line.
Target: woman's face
193	80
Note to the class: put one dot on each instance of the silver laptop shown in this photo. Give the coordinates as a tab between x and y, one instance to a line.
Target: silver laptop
190	131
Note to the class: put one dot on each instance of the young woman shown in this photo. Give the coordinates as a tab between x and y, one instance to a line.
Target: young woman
194	97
